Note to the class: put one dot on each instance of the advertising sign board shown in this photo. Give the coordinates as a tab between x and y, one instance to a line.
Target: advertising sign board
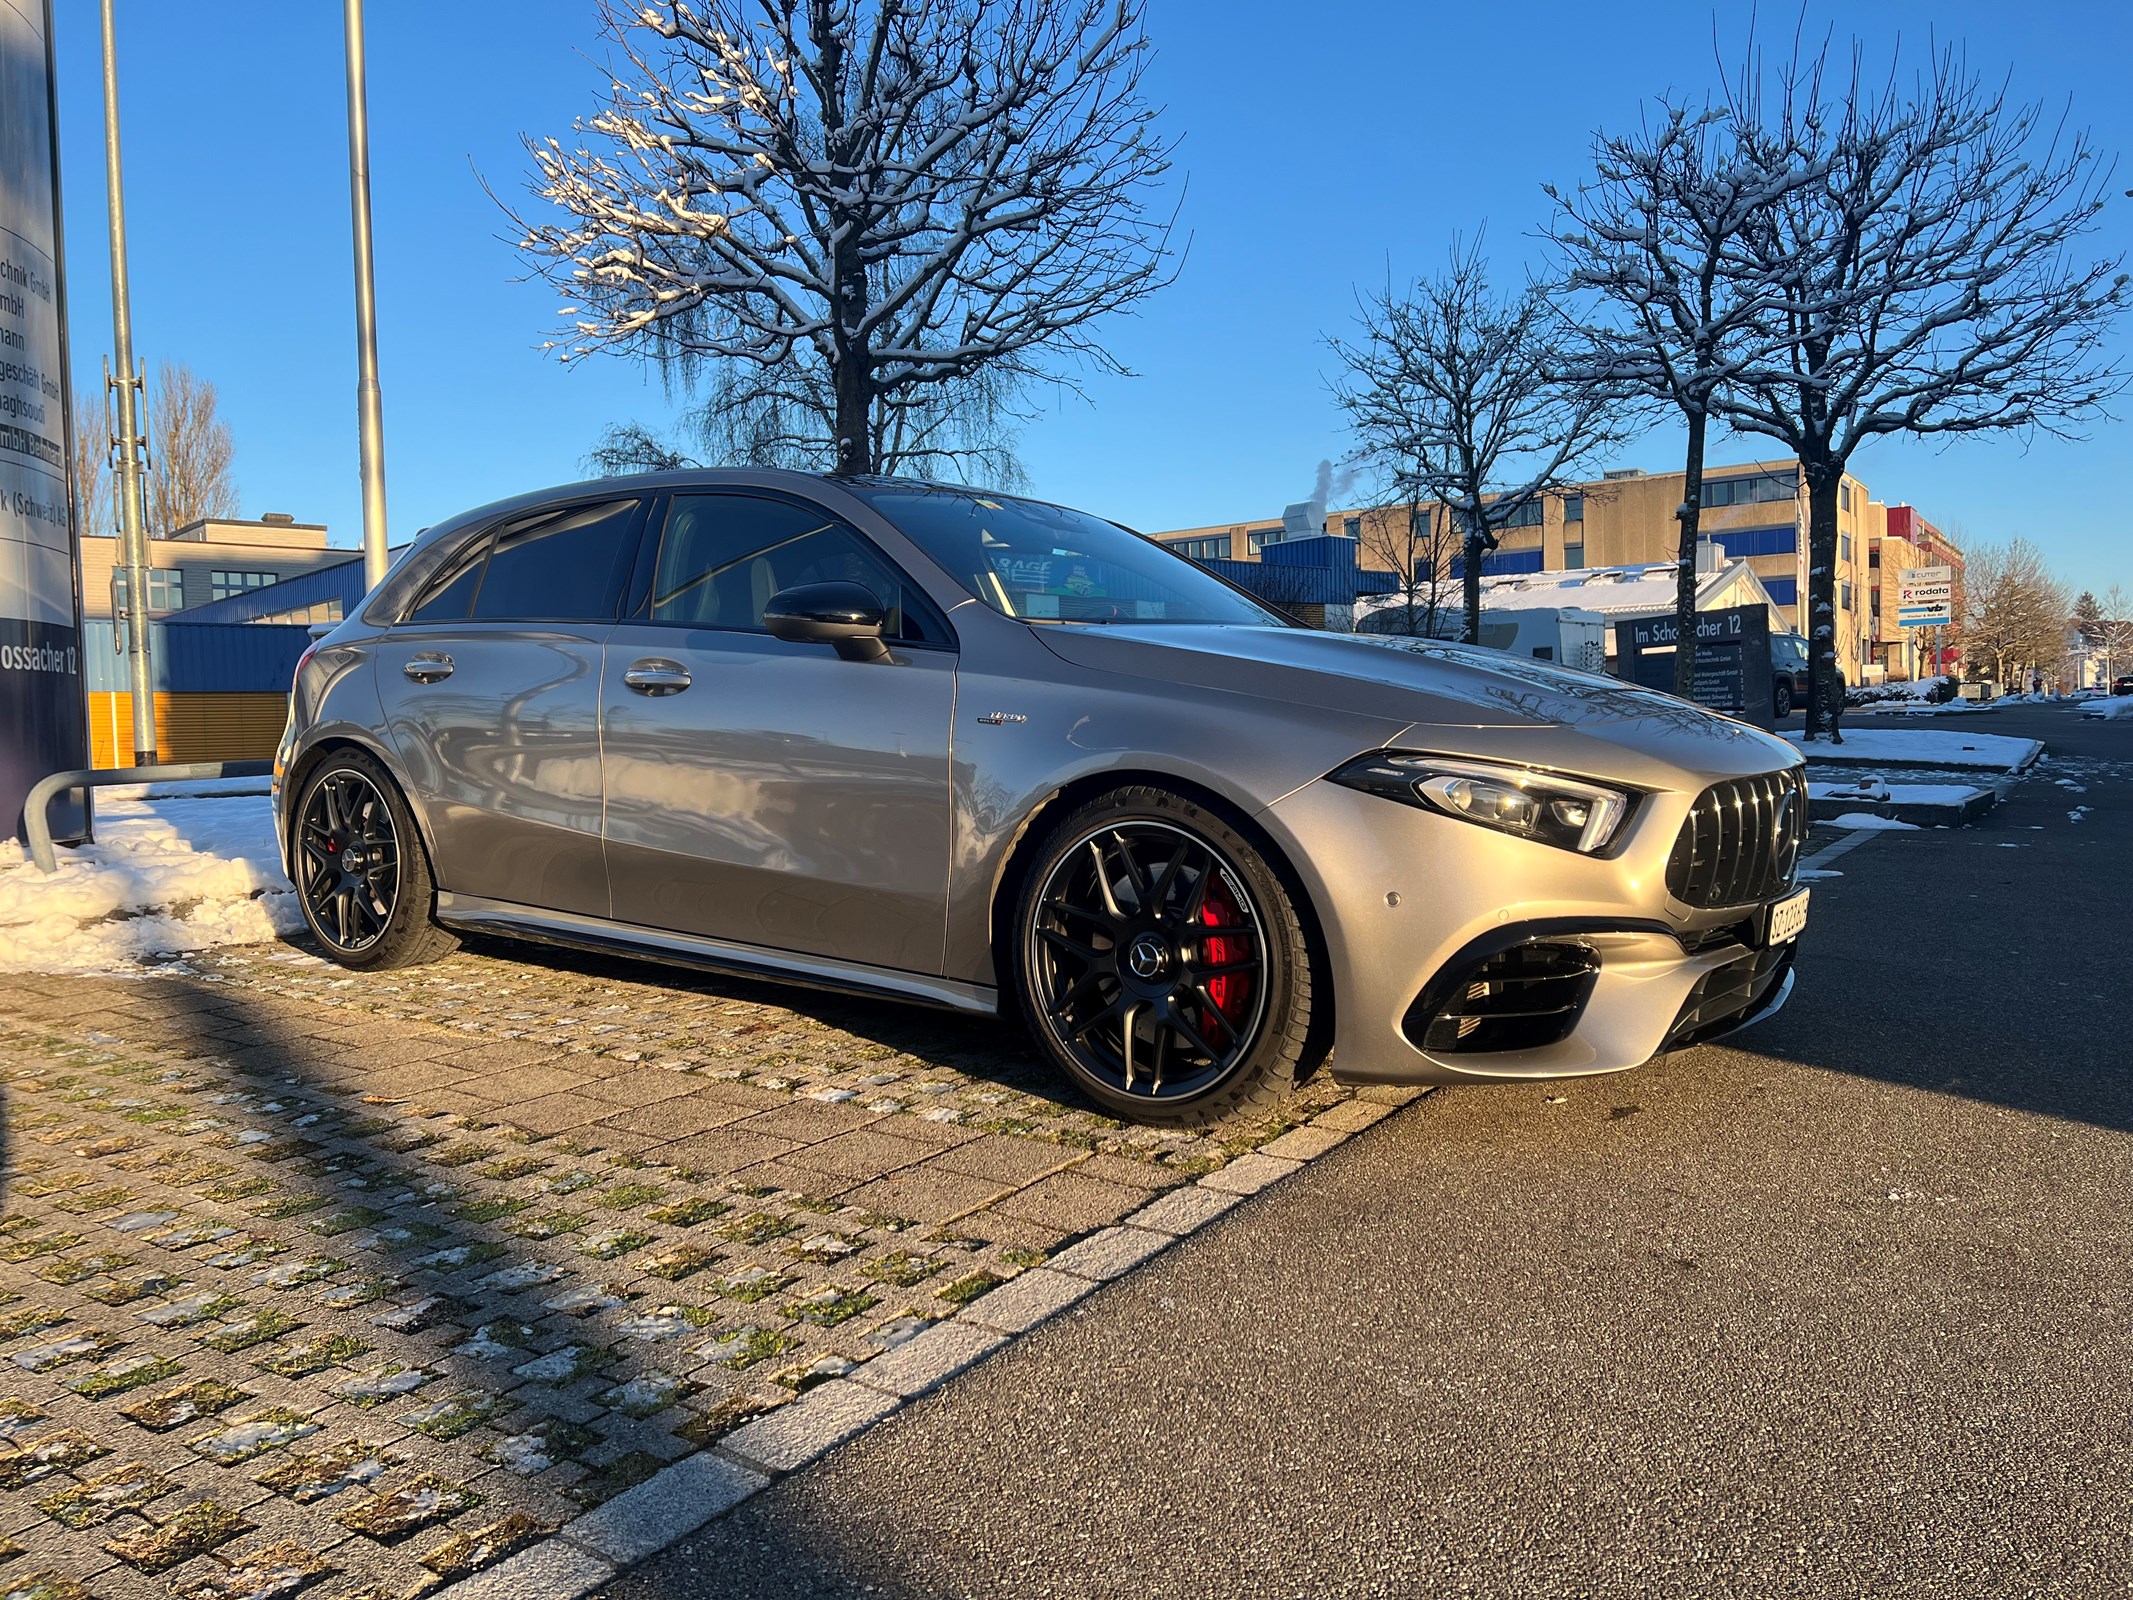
42	711
1925	597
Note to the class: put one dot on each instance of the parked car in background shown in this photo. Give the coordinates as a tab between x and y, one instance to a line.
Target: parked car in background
997	755
2122	686
1788	673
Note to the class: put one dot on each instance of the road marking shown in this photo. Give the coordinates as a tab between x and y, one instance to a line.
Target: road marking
1851	841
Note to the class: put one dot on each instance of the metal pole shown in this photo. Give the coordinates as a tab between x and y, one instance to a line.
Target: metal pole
370	404
133	521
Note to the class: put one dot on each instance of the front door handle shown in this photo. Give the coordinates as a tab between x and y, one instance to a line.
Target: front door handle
657	676
428	666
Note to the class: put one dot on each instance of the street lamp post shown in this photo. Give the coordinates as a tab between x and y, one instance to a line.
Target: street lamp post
131	446
370	405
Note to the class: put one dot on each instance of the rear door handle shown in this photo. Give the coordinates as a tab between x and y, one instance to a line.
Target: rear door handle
657	676
428	666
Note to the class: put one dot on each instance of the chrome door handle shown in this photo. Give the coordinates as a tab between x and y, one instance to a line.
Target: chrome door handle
657	677
428	666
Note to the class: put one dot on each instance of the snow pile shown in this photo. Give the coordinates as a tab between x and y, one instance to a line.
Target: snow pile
1866	821
165	877
2111	710
1922	747
1873	791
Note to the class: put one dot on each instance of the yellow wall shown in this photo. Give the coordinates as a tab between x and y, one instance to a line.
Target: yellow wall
189	727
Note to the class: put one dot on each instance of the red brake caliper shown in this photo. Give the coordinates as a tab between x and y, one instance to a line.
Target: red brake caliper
1230	991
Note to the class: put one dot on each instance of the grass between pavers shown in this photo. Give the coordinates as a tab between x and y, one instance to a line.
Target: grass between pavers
252	1268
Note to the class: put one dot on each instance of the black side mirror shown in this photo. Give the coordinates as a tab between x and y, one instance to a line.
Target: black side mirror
842	613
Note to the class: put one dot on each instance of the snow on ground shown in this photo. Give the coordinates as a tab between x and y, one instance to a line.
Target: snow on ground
165	877
1866	821
1917	794
2117	707
1922	747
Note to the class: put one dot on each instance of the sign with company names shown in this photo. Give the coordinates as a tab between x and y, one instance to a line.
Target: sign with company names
1925	597
42	714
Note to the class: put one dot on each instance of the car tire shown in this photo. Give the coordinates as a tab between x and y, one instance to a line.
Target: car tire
361	871
1153	1018
1781	702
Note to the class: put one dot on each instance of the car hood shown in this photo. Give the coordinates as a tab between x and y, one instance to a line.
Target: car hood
1504	705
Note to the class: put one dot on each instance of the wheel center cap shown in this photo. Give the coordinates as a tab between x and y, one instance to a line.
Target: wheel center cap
1147	956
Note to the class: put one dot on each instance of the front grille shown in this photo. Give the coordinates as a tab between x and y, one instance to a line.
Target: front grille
1728	995
1741	842
1523	998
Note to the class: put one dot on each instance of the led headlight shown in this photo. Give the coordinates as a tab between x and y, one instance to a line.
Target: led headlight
1569	813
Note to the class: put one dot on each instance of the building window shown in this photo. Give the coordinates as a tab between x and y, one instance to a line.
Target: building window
1845	595
1573	556
1260	539
1761	489
1738	542
1215	547
1844	547
1784	591
221	584
1844	497
1526	516
1353	527
166	589
1573	508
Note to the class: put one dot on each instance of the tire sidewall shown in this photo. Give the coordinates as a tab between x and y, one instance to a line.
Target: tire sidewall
1273	1053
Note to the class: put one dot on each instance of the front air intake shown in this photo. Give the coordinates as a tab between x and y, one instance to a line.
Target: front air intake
1741	842
1524	998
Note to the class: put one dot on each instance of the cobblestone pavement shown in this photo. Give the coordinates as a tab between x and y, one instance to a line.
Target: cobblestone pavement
354	1284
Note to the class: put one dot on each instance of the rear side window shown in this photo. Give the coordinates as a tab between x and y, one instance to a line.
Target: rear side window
723	556
556	566
567	566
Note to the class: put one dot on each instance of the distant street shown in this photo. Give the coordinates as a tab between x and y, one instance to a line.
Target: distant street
1841	1310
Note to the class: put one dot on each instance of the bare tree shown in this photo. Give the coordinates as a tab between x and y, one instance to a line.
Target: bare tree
190	453
95	505
860	217
2016	611
1413	540
1467	396
1658	240
2114	632
1932	284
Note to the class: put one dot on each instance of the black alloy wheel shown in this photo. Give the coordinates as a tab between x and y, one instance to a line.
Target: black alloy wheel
1161	962
1782	701
360	871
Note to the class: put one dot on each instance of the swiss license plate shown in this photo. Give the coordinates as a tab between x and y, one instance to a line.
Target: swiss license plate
1786	919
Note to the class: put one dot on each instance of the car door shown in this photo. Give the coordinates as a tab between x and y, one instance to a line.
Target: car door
774	793
491	693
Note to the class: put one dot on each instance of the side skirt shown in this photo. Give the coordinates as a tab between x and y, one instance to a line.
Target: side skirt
473	914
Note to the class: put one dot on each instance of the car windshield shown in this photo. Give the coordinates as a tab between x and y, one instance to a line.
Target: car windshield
1044	563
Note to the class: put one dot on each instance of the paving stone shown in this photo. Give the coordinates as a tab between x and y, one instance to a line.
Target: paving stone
1071	1203
1183	1210
925	1362
642	1521
1006	1159
808	1121
925	1193
1022	1303
862	1154
1103	1256
1353	1116
723	1151
552	1570
1302	1144
554	1113
796	1434
1249	1174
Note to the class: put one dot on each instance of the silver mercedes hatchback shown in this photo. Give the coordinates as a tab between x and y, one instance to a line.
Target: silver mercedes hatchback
983	752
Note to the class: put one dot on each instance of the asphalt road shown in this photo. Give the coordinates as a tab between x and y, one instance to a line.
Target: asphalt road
1841	1310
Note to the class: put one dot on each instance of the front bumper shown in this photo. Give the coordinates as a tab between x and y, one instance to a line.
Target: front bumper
1414	905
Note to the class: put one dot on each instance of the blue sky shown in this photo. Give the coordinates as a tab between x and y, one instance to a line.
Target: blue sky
1324	146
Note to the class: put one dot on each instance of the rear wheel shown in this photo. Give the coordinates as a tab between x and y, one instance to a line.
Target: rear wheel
1781	702
1160	961
361	873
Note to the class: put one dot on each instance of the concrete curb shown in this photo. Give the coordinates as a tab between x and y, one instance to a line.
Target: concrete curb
1934	814
592	1550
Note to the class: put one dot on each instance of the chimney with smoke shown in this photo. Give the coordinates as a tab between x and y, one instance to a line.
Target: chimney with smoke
1307	518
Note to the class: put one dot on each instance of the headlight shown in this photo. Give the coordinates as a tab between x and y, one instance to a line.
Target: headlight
1569	813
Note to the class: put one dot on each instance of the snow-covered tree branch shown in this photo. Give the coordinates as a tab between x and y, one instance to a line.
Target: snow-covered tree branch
1467	398
859	218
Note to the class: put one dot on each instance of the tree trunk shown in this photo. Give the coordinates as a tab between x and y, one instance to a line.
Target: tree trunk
1470	584
1690	515
855	419
1824	686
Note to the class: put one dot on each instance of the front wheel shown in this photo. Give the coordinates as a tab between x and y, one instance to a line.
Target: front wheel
1160	961
361	873
1781	702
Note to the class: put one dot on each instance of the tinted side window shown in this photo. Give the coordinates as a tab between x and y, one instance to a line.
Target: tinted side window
450	594
563	566
722	557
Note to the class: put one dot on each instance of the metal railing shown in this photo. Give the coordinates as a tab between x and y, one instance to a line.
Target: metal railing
37	822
